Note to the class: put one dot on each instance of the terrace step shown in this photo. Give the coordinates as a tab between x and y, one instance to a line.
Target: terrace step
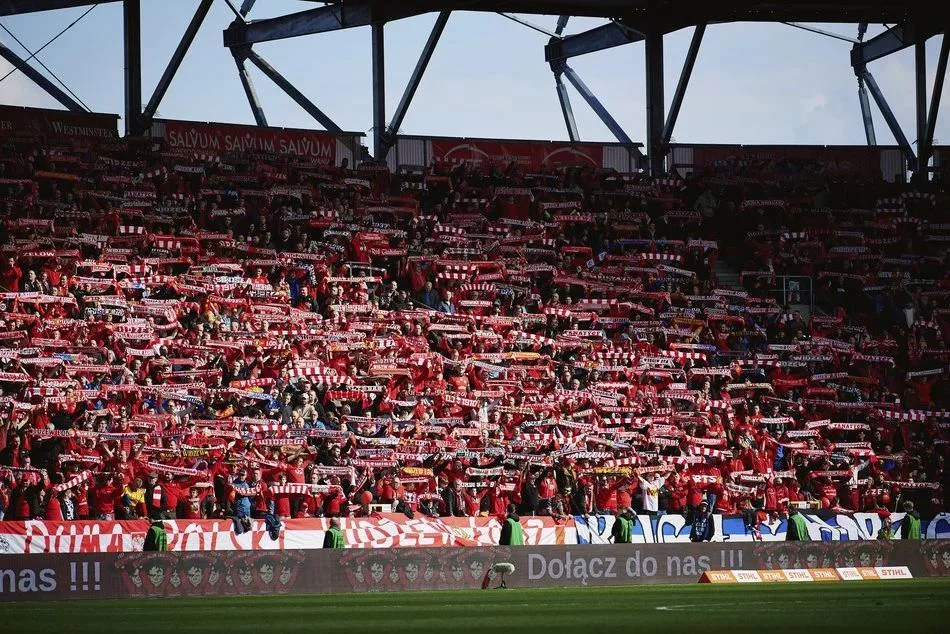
727	276
803	309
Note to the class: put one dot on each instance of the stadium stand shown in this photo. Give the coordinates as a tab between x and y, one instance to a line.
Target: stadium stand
200	335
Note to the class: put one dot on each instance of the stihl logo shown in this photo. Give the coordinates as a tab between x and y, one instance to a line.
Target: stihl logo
893	572
849	574
798	575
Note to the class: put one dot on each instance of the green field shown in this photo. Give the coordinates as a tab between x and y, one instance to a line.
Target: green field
917	606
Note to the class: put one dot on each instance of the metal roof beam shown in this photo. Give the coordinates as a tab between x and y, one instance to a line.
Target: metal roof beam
937	89
926	123
379	90
844	11
40	80
356	13
246	7
132	51
920	81
682	84
889	117
595	104
348	15
895	39
292	91
866	113
322	20
13	7
177	57
252	99
597	39
565	100
655	100
415	79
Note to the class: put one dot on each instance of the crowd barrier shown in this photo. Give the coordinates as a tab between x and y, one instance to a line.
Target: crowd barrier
395	530
261	572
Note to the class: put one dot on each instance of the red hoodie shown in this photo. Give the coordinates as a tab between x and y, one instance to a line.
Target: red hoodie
105	498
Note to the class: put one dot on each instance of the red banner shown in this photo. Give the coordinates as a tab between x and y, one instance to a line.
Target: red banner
855	159
58	124
382	530
528	155
312	145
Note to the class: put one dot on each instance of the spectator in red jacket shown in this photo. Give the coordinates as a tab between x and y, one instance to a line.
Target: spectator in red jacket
10	276
106	495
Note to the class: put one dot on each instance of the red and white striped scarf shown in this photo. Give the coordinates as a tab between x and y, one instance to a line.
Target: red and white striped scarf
74	481
292	488
164	468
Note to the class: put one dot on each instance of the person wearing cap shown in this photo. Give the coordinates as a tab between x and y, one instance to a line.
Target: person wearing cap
703	528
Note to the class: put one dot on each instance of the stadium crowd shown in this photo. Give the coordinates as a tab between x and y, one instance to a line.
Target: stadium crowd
196	336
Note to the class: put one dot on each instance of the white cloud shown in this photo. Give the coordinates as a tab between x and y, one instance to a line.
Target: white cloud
815	102
19	90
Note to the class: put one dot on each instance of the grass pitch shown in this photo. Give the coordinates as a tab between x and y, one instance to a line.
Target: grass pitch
920	605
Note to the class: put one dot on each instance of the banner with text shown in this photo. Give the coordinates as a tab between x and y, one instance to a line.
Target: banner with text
323	148
379	531
387	530
854	159
527	155
58	125
822	526
263	572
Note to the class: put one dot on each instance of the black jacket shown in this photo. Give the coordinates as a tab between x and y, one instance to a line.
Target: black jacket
452	505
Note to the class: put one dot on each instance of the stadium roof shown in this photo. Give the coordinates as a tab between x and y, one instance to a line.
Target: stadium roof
667	15
914	22
689	12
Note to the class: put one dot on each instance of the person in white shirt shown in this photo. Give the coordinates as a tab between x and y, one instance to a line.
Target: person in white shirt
909	314
650	488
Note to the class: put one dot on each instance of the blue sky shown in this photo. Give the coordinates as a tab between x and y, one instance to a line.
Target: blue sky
753	82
